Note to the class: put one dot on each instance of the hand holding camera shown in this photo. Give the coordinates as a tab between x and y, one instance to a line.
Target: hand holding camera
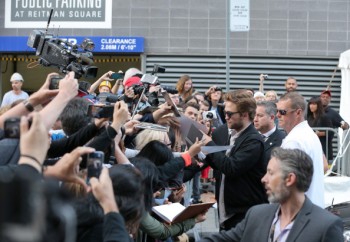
263	77
120	115
69	86
102	189
34	140
196	147
211	90
67	168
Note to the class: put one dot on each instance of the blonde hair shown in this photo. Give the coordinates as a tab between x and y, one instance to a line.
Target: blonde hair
4	109
147	135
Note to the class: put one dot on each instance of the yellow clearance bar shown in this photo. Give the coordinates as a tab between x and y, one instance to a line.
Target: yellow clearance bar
22	59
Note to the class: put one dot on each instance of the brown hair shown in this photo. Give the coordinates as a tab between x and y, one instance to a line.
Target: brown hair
297	100
244	101
181	84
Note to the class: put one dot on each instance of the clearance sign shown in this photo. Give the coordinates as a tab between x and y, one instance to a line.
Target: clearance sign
66	13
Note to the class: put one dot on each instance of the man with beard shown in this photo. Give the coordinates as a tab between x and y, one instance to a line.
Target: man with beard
238	186
291	84
291	216
334	116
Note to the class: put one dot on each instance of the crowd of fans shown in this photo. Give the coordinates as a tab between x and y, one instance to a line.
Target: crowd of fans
146	149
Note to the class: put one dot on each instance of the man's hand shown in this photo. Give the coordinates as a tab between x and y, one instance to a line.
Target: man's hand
68	86
154	89
103	192
196	147
107	76
100	122
130	127
34	141
120	115
210	90
344	125
67	168
162	110
201	217
169	121
129	92
44	95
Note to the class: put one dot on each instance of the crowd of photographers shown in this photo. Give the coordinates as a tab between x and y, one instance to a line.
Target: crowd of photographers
110	154
84	204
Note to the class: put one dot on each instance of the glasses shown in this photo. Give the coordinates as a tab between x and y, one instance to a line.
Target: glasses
229	114
284	112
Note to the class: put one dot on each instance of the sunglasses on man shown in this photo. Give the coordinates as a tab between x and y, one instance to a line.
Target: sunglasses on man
229	114
284	112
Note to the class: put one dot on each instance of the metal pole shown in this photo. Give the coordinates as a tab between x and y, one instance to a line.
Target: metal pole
227	45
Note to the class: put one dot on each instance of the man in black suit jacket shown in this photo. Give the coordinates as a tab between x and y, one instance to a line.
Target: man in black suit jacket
264	122
242	167
291	216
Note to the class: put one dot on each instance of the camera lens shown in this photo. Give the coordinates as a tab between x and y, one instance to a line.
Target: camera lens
210	115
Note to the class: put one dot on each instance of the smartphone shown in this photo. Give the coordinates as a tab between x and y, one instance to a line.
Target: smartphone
100	111
12	129
94	164
171	104
164	194
54	82
117	76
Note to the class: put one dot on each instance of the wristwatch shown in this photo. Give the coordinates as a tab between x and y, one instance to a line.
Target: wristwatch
28	106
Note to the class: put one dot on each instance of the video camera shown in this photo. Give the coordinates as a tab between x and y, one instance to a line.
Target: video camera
63	54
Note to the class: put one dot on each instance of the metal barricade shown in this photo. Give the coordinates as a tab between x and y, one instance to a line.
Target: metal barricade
341	161
328	132
344	154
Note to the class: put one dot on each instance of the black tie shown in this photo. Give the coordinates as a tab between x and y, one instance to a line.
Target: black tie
264	137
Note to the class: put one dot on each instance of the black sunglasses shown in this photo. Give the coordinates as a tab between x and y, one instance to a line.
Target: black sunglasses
229	114
284	112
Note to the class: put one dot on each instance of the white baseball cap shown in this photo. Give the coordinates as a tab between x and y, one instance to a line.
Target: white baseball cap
16	77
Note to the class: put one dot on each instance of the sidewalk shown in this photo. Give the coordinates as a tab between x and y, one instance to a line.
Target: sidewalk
210	225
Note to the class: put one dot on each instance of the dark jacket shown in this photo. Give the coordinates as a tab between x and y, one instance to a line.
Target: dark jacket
312	224
274	140
324	122
94	226
243	169
65	145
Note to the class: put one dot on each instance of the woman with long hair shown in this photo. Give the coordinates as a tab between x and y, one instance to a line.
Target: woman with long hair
317	118
185	87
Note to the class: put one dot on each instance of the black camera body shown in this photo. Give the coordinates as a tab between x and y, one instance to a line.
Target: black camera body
63	54
137	89
169	89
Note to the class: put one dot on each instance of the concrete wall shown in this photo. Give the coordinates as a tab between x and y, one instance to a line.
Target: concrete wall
278	27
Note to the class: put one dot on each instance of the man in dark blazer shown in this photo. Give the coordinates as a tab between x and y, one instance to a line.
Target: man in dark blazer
291	216
264	122
238	188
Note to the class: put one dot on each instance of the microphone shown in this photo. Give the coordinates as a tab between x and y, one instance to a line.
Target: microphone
48	22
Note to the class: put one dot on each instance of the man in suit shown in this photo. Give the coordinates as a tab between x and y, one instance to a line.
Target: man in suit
242	167
264	122
291	216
